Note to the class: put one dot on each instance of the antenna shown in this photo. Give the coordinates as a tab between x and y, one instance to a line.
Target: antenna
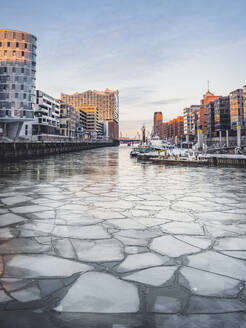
208	85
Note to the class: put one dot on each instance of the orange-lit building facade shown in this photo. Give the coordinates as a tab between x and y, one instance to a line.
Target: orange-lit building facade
158	122
208	97
107	103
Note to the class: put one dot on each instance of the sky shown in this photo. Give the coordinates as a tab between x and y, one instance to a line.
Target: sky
159	54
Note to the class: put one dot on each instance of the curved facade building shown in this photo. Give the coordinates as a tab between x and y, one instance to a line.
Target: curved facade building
17	78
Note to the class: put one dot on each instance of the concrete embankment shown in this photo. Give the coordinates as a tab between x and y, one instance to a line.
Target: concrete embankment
24	150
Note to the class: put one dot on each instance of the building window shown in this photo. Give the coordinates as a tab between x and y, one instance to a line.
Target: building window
0	44
25	45
8	44
22	53
13	86
17	44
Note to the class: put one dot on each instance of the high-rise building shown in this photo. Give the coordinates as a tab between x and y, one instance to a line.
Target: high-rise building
189	119
222	115
107	103
17	80
158	120
202	113
69	120
237	113
92	121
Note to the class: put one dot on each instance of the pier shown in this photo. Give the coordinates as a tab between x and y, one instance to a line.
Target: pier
23	150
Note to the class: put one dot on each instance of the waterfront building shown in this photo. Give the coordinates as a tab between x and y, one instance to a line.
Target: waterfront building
221	115
158	122
17	80
107	103
210	119
69	120
194	120
92	126
47	114
202	113
165	130
237	113
189	119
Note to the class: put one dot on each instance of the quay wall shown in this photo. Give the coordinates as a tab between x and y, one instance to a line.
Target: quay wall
233	161
23	150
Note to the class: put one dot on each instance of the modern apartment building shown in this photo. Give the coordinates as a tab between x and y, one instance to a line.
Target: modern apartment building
158	120
47	114
17	80
69	120
107	103
221	115
92	121
237	109
189	119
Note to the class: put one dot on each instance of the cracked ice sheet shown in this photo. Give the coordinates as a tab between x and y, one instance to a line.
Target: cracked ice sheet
15	200
218	263
125	224
172	247
141	261
41	265
29	209
99	250
81	232
100	293
188	228
209	284
174	215
152	276
230	244
136	237
9	219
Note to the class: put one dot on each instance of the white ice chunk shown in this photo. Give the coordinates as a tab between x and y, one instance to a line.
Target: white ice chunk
125	224
187	228
98	250
218	263
238	243
140	261
209	284
174	215
101	293
201	242
81	232
41	265
9	219
29	209
170	246
152	276
15	200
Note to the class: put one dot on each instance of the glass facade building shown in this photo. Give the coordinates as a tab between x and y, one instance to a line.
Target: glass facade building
17	75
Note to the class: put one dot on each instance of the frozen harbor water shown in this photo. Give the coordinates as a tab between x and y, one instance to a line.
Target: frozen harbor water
94	239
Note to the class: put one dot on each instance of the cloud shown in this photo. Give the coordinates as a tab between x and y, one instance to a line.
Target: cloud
170	101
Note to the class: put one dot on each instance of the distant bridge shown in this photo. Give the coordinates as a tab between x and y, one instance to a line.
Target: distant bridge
124	141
